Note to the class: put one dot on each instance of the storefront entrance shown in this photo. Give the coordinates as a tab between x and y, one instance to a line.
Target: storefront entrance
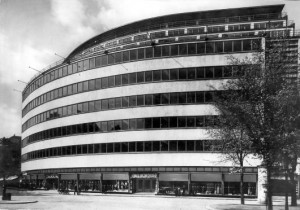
145	185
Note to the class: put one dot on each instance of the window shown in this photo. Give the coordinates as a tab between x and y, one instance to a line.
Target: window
181	121
125	101
237	45
192	48
125	124
190	145
133	55
97	62
182	49
124	79
111	58
164	122
104	82
174	98
149	52
132	146
104	60
132	124
148	76
92	63
157	51
140	77
173	145
165	50
209	72
140	100
174	74
118	103
104	104
201	48
86	65
140	123
132	78
132	101
165	74
139	146
182	74
210	47
141	53
98	105
219	47
156	75
111	81
118	57
247	45
98	84
228	46
218	73
91	84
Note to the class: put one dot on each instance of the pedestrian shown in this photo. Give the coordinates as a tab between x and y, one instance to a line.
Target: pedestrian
75	189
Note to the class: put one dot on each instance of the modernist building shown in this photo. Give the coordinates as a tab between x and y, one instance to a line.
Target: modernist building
129	109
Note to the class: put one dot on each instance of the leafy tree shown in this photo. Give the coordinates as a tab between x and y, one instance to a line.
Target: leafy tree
10	160
261	102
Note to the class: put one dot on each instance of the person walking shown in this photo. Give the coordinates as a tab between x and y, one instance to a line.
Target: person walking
75	189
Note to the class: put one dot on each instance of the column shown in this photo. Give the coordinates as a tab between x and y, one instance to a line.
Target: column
157	184
223	185
77	181
189	183
58	180
101	183
261	185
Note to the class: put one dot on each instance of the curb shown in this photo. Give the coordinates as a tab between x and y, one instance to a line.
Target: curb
17	202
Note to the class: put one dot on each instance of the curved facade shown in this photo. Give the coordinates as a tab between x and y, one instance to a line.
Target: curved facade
129	109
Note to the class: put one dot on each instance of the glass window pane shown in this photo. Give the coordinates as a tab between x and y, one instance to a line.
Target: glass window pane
125	124
118	103
98	61
148	76
148	123
104	104
104	60
140	77
181	121
219	47
191	122
140	123
237	45
140	146
118	57
80	66
111	103
164	122
148	146
174	74
86	65
164	146
182	98
110	126
125	101
104	82
132	78
228	46
141	53
199	97
174	98
182	49
173	145
157	75
98	84
157	98
191	97
166	50
156	122
132	146
201	48
210	47
132	101
192	48
132	124
124	79
157	51
98	105
174	50
166	74
133	55
92	63
165	98
218	73
140	100
182	74
190	145
209	72
149	99
149	52
91	84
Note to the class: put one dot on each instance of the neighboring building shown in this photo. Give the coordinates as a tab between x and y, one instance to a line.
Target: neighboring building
128	110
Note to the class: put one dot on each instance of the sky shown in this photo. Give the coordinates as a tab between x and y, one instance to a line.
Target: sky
32	31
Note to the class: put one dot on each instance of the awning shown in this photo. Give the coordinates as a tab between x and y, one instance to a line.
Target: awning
206	177
168	177
115	176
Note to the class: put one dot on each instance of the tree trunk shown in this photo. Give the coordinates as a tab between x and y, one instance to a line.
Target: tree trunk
242	185
269	189
286	206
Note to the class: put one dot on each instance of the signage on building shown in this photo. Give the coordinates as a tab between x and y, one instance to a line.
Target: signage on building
143	176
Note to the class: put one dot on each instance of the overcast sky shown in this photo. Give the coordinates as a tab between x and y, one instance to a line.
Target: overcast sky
32	31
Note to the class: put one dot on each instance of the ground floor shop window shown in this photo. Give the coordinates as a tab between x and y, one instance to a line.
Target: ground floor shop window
173	187
233	188
208	188
89	185
115	185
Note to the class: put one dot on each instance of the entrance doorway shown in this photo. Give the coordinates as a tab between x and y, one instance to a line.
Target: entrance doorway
145	185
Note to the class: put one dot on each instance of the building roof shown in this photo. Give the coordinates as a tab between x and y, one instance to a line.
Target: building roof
123	30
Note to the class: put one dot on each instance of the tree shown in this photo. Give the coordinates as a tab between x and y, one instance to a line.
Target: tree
10	160
258	98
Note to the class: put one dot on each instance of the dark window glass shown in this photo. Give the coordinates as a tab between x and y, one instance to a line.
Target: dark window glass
97	62
218	72
97	148
157	75
132	124
210	47
140	100
157	98
246	45
140	77
85	107
104	126
92	84
132	78
104	60
110	126
140	146
174	50
110	147
92	63
104	82
148	76
79	149
141	53
97	127
191	73
91	127
165	98
124	146
157	51
149	52
148	146
70	69
132	147
132	101
165	50
118	103
111	58
86	65
148	123
125	101
85	128
65	93
75	68
156	145
118	80
182	98
228	46
118	57
80	66
74	88
174	74
190	145
191	97
118	125
199	97
124	79
103	148
190	122
164	122
199	145
104	104
111	103
173	122
140	123
98	84
208	96
182	49
201	48
156	122
80	87
65	71
173	145
227	71
209	72
237	45
98	105
149	99
111	81
164	146
192	48
181	121
70	92
200	121
182	74
125	124
219	47
79	128
165	74
133	55
174	98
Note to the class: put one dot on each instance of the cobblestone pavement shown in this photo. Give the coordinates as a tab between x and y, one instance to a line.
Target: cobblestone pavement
53	200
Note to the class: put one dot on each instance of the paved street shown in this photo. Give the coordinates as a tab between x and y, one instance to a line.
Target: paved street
53	200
